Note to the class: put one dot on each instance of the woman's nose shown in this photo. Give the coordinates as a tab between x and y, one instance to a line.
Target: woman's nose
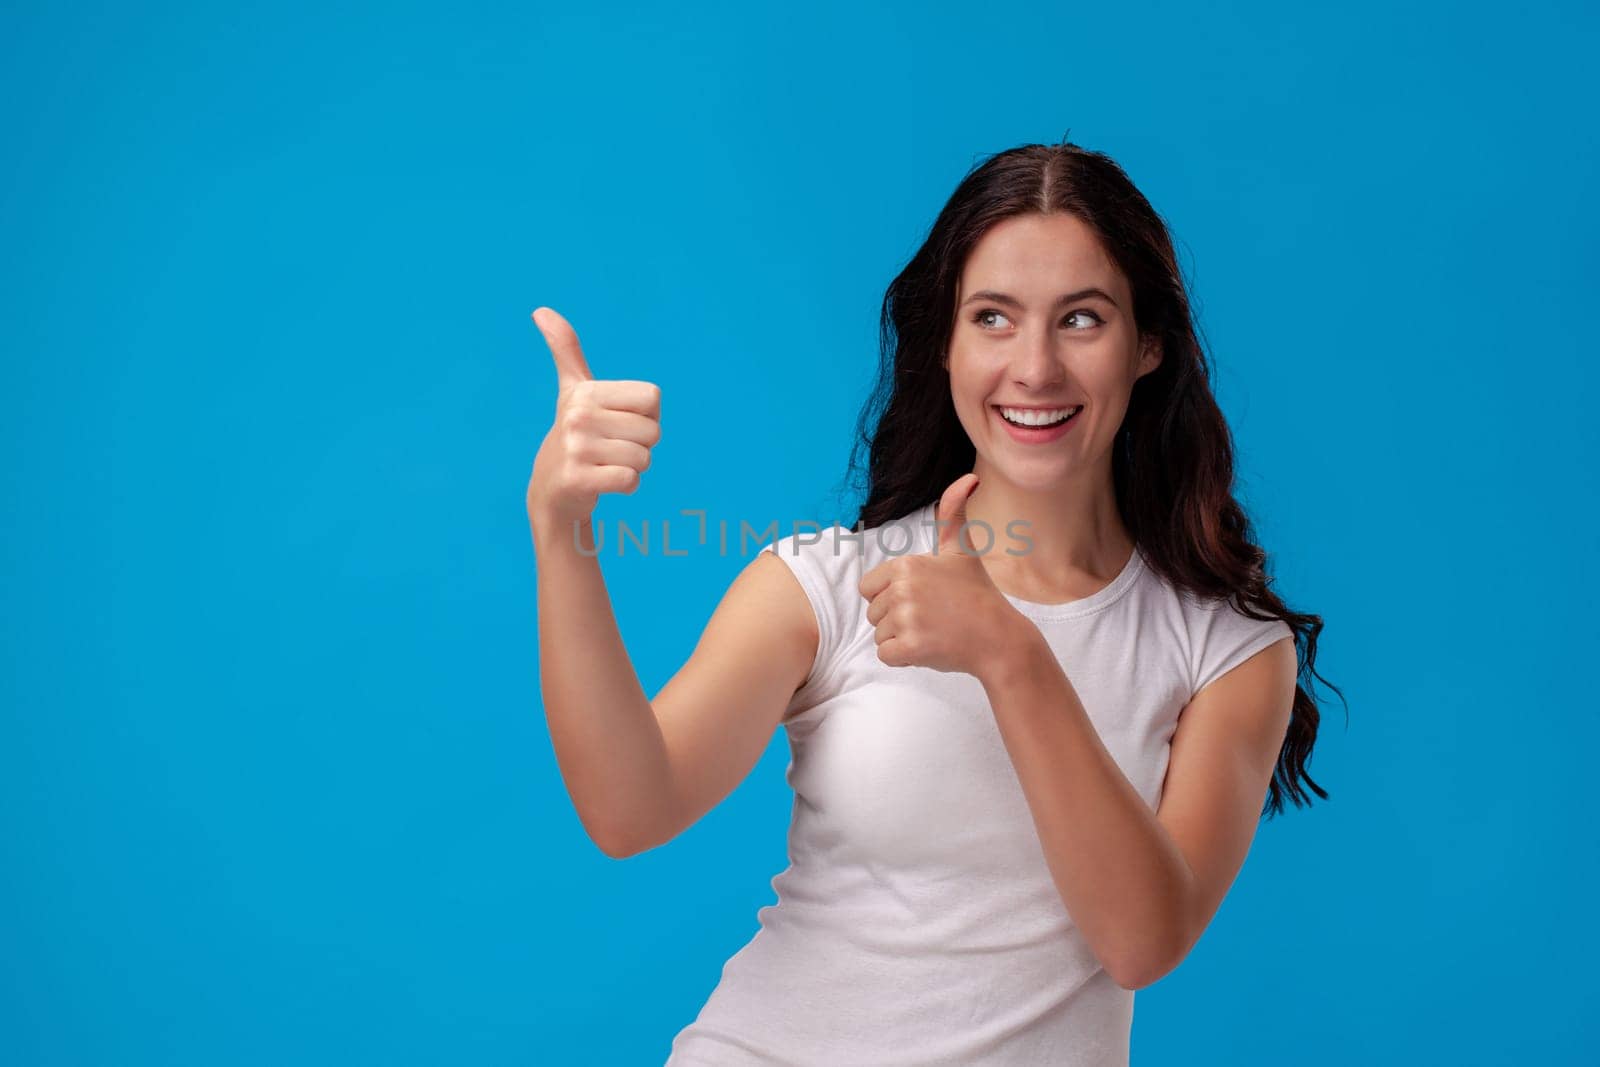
1037	364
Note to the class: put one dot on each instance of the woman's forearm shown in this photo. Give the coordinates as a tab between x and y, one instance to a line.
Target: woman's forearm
1123	879
606	737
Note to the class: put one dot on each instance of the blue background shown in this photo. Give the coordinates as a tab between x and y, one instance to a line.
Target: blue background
275	782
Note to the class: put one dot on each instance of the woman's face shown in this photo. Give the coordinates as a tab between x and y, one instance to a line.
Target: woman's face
1044	321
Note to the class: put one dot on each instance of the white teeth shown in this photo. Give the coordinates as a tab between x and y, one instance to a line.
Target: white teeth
1024	417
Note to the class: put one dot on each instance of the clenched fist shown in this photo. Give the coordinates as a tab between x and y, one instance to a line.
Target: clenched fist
600	439
942	610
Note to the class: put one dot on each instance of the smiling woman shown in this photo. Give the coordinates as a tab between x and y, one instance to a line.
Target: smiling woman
1024	780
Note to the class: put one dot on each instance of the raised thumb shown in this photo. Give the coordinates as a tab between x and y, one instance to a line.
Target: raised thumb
953	511
564	348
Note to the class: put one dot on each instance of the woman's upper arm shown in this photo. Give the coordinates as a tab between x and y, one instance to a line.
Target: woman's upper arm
718	712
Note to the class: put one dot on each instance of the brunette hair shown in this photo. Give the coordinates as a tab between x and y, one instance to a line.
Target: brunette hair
1173	465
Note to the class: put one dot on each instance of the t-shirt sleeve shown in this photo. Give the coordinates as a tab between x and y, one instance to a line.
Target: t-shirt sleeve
829	572
1225	638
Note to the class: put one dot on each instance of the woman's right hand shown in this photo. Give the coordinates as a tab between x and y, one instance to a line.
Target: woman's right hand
600	439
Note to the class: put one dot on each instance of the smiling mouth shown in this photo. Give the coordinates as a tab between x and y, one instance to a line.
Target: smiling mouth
1025	419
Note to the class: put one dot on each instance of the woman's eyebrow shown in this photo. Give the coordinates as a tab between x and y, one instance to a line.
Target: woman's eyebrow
995	297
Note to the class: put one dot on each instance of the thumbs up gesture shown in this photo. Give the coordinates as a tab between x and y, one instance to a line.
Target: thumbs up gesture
941	610
600	439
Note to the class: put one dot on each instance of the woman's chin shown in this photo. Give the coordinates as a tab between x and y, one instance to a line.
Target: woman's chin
1040	477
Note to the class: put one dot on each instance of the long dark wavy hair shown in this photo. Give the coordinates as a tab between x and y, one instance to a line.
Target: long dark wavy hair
1173	465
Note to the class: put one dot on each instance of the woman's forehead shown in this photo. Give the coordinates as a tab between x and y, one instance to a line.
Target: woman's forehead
1037	257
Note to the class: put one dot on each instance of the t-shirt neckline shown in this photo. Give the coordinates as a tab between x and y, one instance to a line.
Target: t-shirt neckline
1071	609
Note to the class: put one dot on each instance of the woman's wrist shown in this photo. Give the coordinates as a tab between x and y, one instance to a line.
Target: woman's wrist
554	533
1016	650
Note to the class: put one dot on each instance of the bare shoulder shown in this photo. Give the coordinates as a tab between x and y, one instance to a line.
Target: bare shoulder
767	594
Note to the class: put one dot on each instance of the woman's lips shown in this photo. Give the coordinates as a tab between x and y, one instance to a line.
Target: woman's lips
1038	435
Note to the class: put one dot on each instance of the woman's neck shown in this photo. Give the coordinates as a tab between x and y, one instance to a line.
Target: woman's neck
1079	541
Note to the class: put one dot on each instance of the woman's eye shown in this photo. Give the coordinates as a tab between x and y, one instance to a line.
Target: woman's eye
981	318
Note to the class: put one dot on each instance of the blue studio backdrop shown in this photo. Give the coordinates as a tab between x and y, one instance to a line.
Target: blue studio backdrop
275	781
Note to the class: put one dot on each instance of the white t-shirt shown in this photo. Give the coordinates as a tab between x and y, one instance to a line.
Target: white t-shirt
917	922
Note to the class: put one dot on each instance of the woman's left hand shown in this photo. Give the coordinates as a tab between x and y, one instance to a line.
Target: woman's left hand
942	610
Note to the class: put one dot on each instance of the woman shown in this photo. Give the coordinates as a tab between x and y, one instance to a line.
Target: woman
1034	708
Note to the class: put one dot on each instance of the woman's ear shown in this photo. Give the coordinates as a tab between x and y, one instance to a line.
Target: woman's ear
1149	355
